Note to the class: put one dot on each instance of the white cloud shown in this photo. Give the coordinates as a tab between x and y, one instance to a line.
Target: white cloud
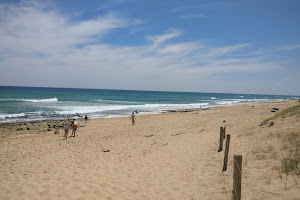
191	16
159	39
227	50
289	47
181	48
28	27
39	47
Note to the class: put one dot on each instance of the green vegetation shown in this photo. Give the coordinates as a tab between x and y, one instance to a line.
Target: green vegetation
262	153
290	148
288	165
291	111
292	144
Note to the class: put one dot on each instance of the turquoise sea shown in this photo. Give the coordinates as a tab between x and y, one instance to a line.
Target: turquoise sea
37	103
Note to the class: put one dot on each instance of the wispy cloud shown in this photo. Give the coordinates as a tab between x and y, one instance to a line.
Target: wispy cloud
289	47
45	42
204	7
191	16
159	39
29	27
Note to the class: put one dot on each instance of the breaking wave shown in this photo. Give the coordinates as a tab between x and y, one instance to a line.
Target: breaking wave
40	100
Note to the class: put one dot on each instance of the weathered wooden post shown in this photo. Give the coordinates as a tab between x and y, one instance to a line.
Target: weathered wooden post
237	177
224	128
221	139
226	153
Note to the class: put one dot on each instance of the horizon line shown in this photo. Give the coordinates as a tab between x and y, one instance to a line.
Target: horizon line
144	90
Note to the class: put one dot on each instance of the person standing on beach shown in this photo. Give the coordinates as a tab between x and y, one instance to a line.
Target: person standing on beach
75	126
85	118
133	118
66	127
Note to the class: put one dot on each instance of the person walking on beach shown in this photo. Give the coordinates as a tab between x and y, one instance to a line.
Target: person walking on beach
66	127
85	118
133	118
75	126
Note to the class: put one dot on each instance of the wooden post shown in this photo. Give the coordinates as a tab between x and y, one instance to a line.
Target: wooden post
221	139
224	128
226	153
237	177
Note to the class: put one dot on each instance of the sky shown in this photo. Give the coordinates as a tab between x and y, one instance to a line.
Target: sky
216	46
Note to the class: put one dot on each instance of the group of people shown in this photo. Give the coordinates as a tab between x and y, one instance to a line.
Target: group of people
73	126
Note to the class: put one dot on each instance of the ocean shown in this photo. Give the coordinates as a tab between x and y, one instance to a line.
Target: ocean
18	104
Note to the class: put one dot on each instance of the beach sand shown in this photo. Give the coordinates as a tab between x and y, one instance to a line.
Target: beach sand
164	156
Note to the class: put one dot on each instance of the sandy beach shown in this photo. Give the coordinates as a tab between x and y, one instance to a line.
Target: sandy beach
163	157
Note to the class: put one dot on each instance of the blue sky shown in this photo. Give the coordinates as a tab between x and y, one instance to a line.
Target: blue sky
173	45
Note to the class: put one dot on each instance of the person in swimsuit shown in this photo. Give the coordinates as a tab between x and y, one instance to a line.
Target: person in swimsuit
133	118
66	127
75	126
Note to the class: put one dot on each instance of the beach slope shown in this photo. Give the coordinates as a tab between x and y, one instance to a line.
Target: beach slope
165	156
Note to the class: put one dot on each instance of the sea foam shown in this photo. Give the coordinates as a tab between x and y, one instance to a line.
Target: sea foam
40	100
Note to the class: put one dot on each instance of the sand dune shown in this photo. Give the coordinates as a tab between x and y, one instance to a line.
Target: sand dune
165	156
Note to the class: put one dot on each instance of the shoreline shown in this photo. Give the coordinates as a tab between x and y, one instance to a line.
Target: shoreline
25	117
8	129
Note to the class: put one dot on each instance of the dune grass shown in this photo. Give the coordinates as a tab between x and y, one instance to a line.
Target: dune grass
292	145
291	111
290	142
